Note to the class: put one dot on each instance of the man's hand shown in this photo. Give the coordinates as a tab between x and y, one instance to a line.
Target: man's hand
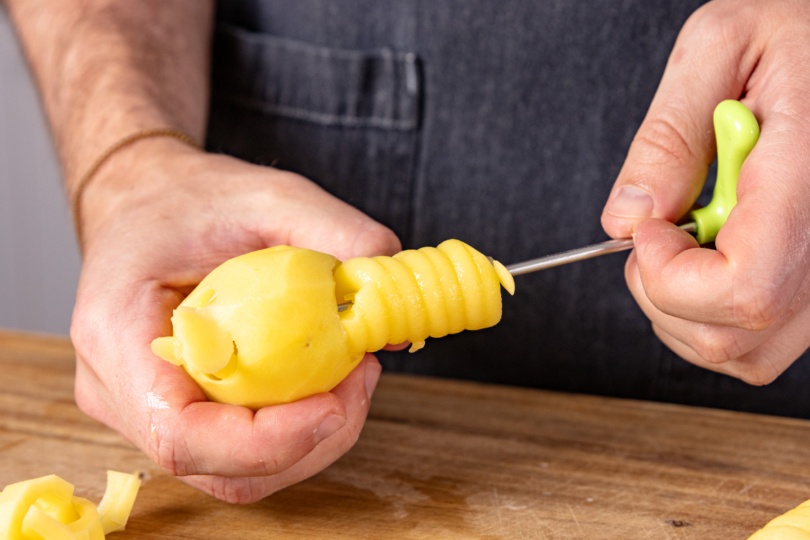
743	309
159	217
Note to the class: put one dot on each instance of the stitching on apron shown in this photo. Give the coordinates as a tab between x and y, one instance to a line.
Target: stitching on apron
316	117
315	50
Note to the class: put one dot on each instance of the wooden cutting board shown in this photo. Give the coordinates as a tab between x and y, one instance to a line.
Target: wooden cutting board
442	459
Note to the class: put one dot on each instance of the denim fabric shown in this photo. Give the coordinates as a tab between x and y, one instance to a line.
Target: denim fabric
503	124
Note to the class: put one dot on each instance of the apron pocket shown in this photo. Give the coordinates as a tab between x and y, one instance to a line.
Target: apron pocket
347	119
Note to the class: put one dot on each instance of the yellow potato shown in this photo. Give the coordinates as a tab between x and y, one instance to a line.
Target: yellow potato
276	314
264	328
17	499
792	525
88	526
57	508
46	509
792	519
779	533
400	299
116	505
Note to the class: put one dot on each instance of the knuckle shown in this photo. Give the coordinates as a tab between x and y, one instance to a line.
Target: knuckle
347	437
655	294
376	239
253	462
84	403
165	461
758	311
88	403
662	141
164	452
760	375
82	332
713	27
235	490
631	272
716	345
701	21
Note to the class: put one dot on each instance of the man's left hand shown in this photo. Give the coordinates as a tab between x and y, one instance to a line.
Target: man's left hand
744	308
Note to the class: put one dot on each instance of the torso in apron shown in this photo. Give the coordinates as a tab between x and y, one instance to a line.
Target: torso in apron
500	123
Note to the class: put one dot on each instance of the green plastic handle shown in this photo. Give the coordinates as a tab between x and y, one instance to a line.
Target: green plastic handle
737	132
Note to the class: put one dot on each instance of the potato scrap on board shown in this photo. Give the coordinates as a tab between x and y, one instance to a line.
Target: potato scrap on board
792	525
46	509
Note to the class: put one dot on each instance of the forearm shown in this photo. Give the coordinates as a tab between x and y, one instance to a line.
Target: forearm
107	69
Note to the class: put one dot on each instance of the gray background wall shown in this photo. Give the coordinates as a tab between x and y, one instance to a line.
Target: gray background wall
39	261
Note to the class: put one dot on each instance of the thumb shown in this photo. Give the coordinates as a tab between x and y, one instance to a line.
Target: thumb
671	153
309	217
663	173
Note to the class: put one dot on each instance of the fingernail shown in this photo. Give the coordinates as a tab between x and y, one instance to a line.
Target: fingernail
373	370
632	202
328	427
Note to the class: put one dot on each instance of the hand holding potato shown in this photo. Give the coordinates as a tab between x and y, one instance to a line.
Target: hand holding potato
156	218
160	216
265	327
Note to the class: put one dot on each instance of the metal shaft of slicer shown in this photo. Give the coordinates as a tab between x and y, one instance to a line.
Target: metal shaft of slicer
558	259
580	254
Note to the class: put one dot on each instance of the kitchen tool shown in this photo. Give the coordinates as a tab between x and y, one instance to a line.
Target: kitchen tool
737	132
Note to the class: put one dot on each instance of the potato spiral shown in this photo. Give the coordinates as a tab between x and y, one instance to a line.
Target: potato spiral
416	294
264	328
793	525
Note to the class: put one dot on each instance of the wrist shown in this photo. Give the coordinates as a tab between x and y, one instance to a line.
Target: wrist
98	133
130	176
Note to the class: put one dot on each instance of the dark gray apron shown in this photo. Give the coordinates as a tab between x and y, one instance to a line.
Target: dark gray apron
500	123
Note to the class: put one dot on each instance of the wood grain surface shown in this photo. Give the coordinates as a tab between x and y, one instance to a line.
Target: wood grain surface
442	459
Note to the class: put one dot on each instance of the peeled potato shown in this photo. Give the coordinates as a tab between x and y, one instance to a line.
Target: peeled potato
116	505
792	525
275	313
37	525
88	526
46	509
264	328
17	499
416	294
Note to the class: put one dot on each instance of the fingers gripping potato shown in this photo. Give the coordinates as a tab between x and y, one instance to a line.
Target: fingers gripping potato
264	328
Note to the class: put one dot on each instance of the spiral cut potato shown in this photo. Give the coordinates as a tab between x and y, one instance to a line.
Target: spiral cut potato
416	294
46	509
794	525
264	328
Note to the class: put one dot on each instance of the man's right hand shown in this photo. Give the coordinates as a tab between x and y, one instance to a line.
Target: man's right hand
159	216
